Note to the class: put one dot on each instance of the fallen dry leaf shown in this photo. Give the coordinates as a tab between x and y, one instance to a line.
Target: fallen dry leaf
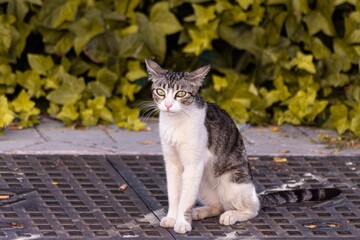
280	159
146	142
123	187
284	151
334	225
275	129
4	197
15	127
318	151
312	226
55	183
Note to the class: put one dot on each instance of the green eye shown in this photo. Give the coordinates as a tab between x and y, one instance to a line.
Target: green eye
160	92
180	94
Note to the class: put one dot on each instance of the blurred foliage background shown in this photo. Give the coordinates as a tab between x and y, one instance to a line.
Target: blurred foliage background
273	61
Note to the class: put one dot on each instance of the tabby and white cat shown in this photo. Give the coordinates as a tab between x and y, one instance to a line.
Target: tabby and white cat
205	157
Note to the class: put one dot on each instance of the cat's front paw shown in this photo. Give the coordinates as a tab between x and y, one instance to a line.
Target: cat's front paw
182	227
167	222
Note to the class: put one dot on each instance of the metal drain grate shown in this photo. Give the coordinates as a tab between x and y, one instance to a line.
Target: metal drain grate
67	197
339	218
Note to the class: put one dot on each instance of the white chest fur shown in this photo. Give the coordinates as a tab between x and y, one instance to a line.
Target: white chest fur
186	129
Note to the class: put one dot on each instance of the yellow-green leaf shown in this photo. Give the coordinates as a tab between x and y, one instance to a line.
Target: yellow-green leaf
69	92
163	19
135	71
203	15
39	63
6	115
219	82
68	114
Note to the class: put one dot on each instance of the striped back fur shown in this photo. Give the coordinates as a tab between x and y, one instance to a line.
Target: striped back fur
299	195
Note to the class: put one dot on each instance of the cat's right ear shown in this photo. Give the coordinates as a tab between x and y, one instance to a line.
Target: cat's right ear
154	70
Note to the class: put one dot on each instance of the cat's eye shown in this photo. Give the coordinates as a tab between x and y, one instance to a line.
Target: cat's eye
160	92
180	94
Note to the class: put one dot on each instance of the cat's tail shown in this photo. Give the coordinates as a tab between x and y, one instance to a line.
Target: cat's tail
299	195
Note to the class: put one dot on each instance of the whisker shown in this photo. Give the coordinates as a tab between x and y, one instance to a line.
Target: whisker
148	109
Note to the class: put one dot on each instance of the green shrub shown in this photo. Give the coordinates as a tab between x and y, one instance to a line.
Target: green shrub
281	61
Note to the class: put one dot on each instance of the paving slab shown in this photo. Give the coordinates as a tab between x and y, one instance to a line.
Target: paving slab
52	137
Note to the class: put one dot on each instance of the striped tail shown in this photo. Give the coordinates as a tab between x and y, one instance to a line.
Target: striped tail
299	195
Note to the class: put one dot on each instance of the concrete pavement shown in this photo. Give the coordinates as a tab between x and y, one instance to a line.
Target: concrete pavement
52	137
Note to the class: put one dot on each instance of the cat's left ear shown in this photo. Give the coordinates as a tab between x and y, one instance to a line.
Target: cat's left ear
198	75
154	70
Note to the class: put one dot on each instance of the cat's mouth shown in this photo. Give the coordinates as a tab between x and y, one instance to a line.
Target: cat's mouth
169	112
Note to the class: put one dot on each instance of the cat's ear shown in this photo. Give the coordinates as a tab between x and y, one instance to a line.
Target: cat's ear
198	75
154	70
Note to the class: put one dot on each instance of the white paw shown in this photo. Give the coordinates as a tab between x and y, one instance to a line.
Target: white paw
167	222
182	227
228	218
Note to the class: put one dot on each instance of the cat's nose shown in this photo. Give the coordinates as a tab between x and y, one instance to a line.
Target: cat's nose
168	106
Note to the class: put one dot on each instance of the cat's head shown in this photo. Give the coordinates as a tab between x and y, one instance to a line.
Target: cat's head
173	91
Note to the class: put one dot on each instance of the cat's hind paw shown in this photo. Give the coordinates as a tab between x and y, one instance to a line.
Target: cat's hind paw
182	227
167	222
204	212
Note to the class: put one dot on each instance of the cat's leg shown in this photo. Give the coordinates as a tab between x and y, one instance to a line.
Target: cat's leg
240	202
191	178
173	178
212	205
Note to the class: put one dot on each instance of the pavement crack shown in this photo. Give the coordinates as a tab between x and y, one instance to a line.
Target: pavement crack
107	134
46	139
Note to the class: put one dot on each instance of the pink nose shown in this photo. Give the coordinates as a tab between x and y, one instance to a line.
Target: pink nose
168	106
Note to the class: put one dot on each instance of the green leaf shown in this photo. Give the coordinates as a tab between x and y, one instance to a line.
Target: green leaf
24	31
202	38
245	4
125	117
68	114
39	63
153	30
135	71
23	102
6	33
25	109
97	105
339	118
316	21
153	38
304	62
6	115
134	47
203	15
18	8
127	89
32	82
339	2
355	120
86	29
104	84
69	92
219	82
7	80
162	19
59	42
103	48
127	8
240	37
233	15
55	12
